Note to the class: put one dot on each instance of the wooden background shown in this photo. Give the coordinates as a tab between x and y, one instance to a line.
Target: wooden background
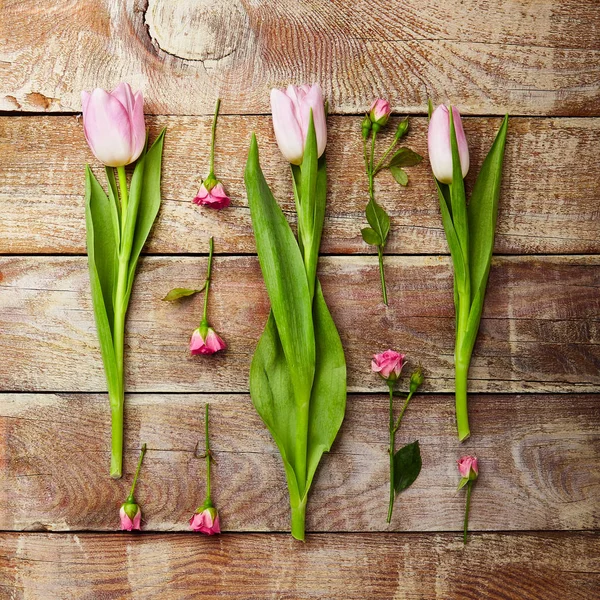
535	376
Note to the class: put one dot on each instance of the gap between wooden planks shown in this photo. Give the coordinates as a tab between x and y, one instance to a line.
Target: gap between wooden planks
524	58
539	330
548	205
334	566
538	453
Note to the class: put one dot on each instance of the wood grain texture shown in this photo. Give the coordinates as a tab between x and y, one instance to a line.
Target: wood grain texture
343	566
549	202
538	455
525	58
539	330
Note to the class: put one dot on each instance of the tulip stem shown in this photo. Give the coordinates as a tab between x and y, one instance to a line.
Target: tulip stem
208	499
212	138
124	194
207	282
467	507
392	449
137	472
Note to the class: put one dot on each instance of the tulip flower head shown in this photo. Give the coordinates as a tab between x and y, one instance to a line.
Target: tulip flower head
291	114
388	364
379	113
213	196
206	341
438	143
131	516
206	520
113	123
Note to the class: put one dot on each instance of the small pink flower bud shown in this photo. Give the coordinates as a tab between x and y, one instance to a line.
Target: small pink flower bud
468	467
438	143
388	364
113	123
206	520
212	194
206	341
131	516
379	113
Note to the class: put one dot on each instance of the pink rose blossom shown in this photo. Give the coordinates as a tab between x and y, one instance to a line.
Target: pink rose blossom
214	197
113	123
388	364
291	111
380	112
131	516
438	143
466	464
209	343
206	520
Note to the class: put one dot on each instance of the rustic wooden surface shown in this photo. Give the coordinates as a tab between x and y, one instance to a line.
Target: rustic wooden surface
535	402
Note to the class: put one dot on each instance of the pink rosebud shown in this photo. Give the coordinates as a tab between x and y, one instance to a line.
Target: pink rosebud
388	364
114	124
131	516
291	114
438	142
380	112
213	197
206	341
466	465
206	520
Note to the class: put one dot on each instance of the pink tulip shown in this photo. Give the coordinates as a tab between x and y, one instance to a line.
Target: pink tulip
206	341
206	520
114	124
380	112
466	464
214	197
438	141
131	516
291	113
388	364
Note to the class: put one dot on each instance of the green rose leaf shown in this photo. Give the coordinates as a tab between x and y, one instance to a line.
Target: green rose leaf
371	236
379	220
399	175
405	157
407	466
177	293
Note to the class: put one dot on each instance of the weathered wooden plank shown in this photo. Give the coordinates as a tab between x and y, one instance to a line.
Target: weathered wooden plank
549	199
538	456
342	566
489	57
539	330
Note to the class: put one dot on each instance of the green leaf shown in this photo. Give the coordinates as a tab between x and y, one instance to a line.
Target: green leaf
371	236
429	109
399	175
405	157
328	399
102	263
177	293
483	212
149	204
285	279
407	466
378	219
462	483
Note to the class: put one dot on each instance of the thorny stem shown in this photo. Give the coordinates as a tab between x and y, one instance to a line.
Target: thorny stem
212	138
137	472
392	448
467	507
404	407
207	283
385	155
208	499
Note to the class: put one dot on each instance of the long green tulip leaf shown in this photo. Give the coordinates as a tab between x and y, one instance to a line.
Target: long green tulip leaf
102	262
149	204
483	212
